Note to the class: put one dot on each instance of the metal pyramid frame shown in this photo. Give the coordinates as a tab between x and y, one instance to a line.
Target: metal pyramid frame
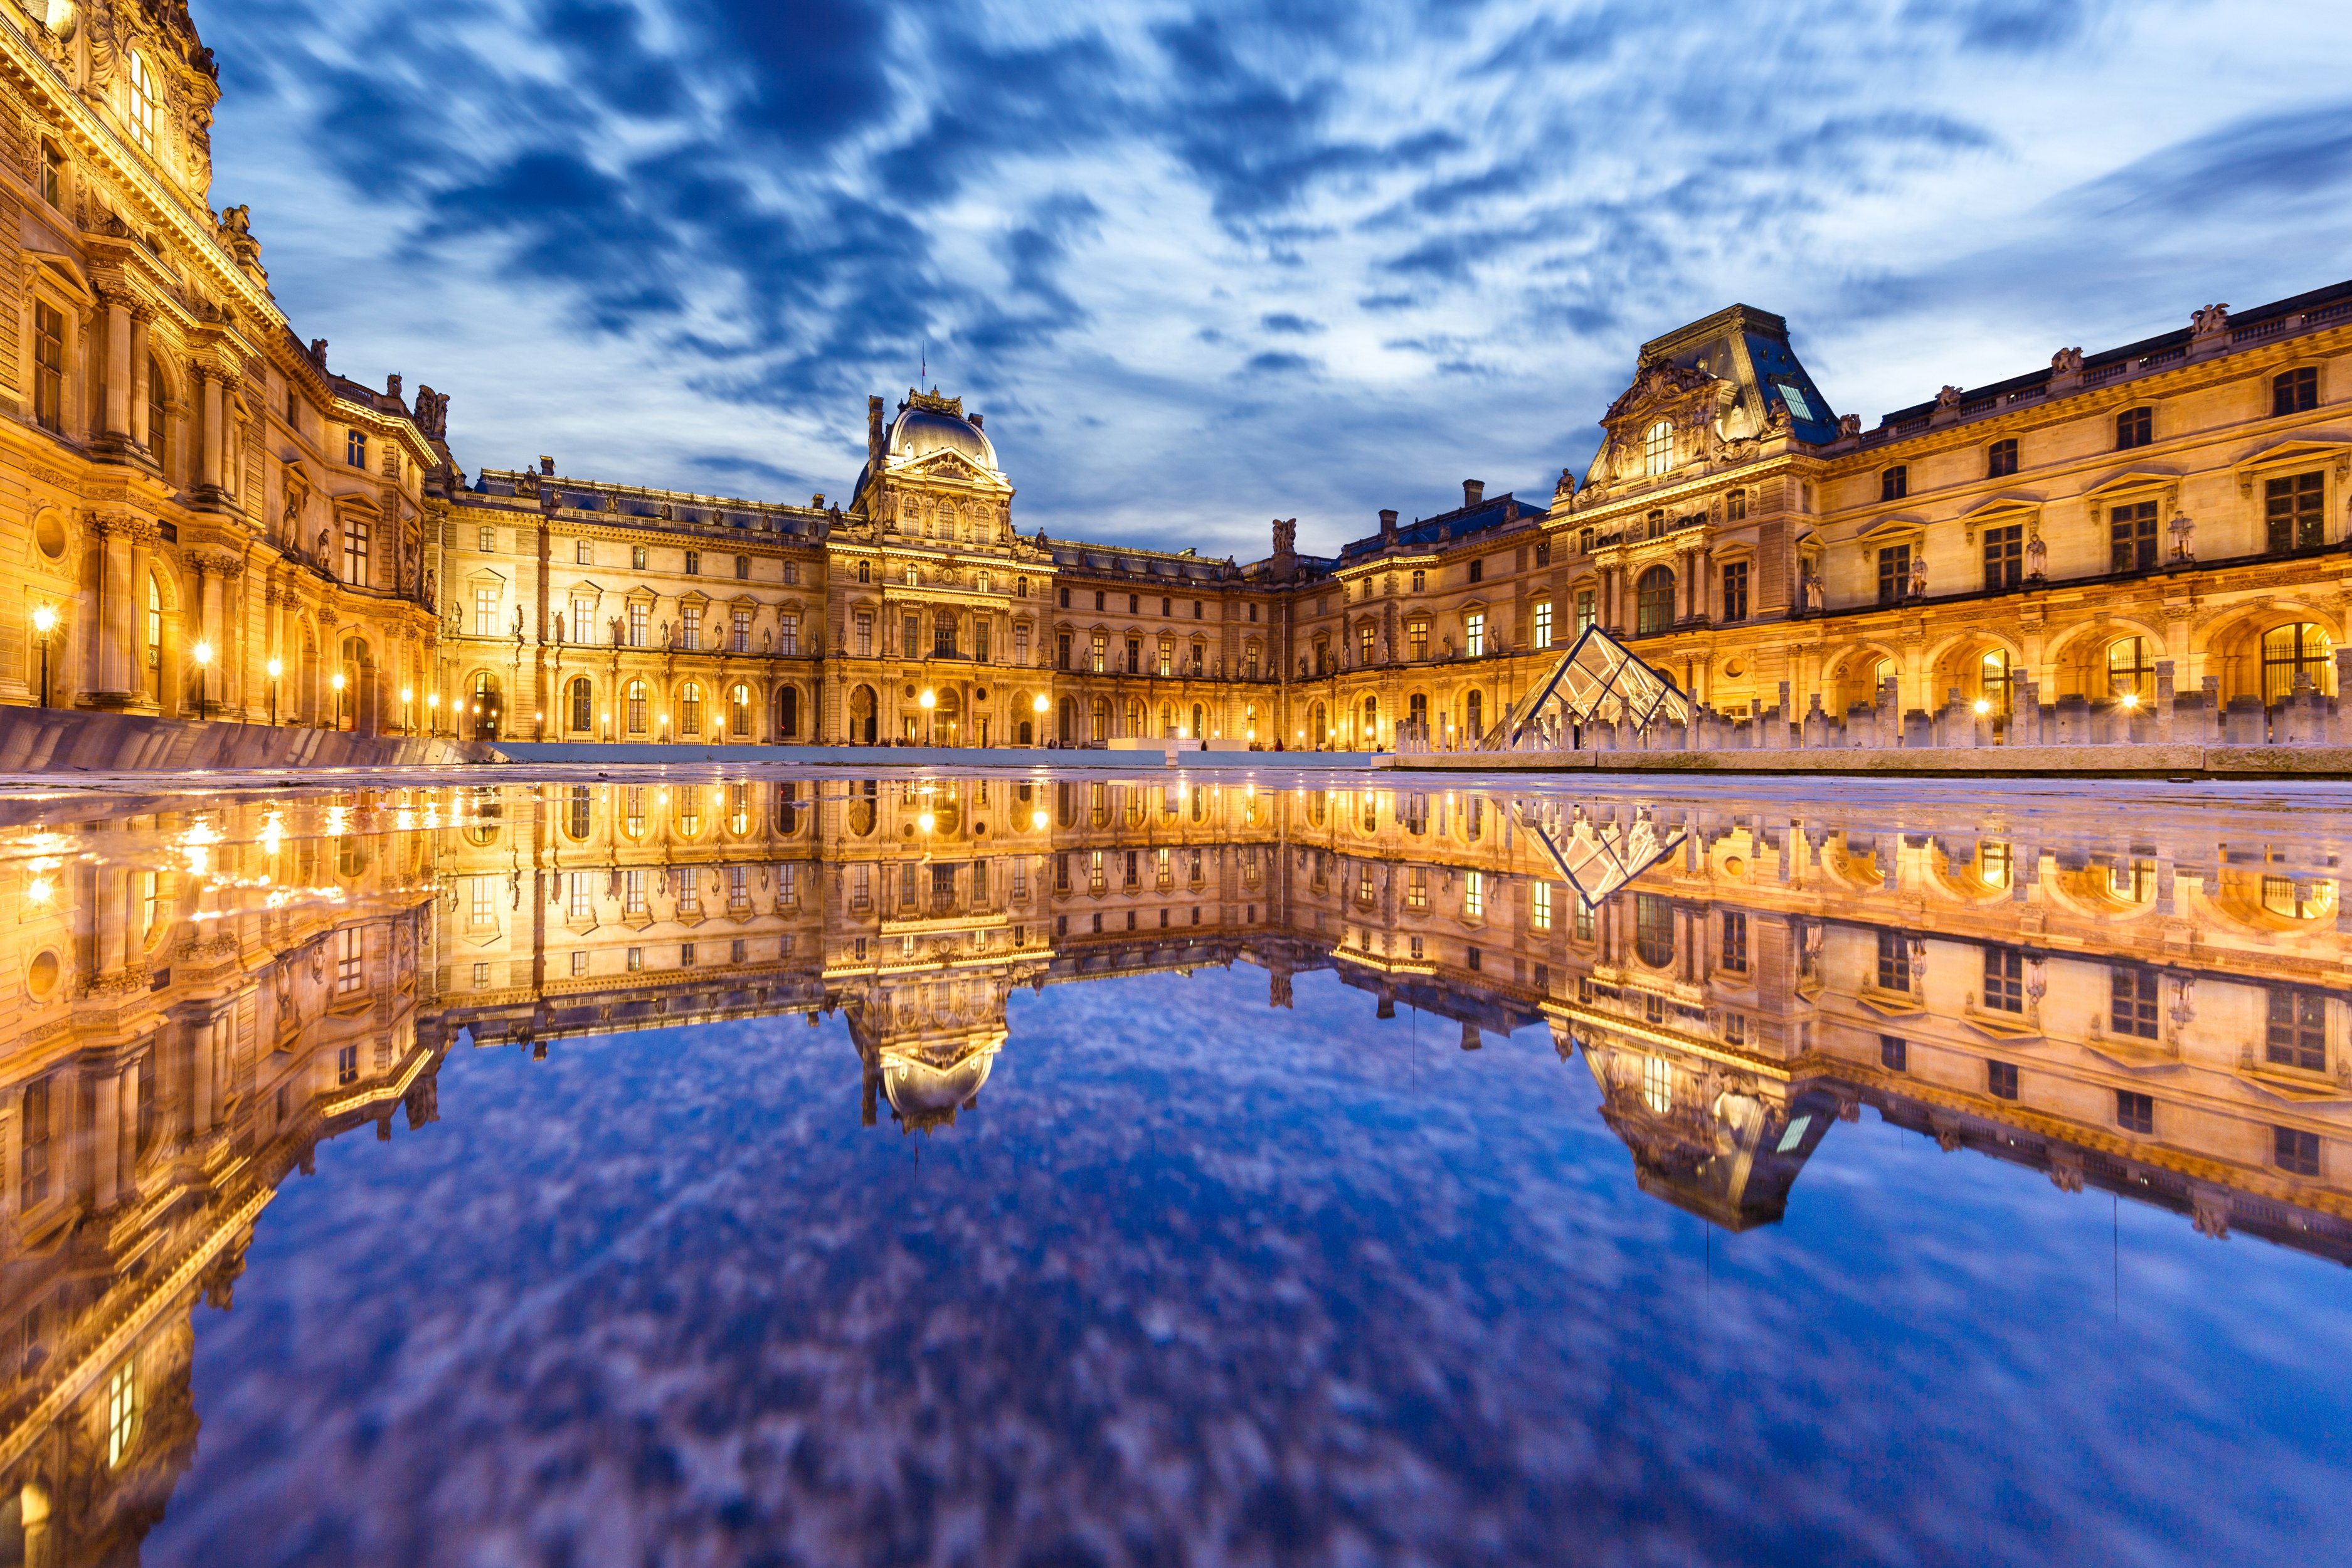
1597	859
1597	677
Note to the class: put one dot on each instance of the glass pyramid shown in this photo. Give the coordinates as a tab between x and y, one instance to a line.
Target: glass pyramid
1598	859
1598	678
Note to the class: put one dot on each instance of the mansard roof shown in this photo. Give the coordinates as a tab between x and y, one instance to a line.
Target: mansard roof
2260	324
1750	349
637	504
1446	528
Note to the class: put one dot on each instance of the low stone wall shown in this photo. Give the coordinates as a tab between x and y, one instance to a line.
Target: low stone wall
859	759
2150	760
63	741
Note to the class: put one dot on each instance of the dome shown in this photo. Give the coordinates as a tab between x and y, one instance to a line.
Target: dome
929	1095
921	430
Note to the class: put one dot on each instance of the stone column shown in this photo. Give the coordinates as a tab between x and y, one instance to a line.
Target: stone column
143	558
106	1140
127	1131
210	443
118	366
204	1071
112	663
140	389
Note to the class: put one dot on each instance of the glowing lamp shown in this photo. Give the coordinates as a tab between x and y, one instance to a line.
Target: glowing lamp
1038	819
2131	698
1982	706
276	667
1043	704
926	821
45	620
201	653
928	699
338	682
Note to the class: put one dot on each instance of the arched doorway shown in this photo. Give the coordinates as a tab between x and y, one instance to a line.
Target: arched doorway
486	706
689	711
1319	729
863	709
1371	732
635	701
788	713
738	709
1069	729
584	704
356	666
2300	648
1473	718
1200	731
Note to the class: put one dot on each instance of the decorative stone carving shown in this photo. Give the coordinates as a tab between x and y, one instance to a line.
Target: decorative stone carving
2067	361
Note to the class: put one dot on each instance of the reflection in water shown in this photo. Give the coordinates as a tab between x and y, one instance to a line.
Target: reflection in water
2152	1005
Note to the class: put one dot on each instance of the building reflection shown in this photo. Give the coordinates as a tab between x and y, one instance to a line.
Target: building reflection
2155	1007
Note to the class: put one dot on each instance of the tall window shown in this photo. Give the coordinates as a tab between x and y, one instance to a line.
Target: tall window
1658	1085
2004	557
640	623
154	625
2297	1153
1894	483
1893	573
1734	507
1474	633
138	88
582	704
2129	673
1654	600
2131	1000
635	705
2289	650
2135	428
1473	896
862	630
1654	930
1658	449
1539	910
2004	979
1474	714
1363	645
689	709
122	1403
36	1135
943	635
1543	623
159	424
583	619
788	714
1420	580
486	612
1735	941
2294	1032
694	563
355	550
53	175
739	632
583	553
1587	609
2294	391
355	449
689	617
2292	512
351	956
1735	591
738	709
1416	641
1099	652
1894	961
2135	1111
48	367
2131	537
2000	458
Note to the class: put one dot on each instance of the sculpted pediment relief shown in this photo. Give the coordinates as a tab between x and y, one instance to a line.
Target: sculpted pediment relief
1661	386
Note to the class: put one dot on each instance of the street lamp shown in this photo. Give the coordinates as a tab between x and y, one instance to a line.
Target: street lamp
408	708
432	713
1043	705
928	701
276	669
45	621
338	684
202	653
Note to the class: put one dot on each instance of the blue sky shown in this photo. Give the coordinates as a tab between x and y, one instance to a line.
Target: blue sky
1206	264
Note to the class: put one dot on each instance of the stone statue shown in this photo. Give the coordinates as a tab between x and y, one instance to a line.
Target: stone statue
1814	596
1849	425
2067	361
1949	397
2182	530
2037	559
2211	318
1918	577
433	414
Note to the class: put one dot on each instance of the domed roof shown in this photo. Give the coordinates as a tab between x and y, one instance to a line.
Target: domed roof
929	423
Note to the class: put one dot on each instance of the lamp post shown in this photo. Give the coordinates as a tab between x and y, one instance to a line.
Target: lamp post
45	621
203	654
432	713
1042	706
928	701
338	684
408	708
276	669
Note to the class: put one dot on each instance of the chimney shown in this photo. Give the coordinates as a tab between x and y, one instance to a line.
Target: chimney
874	431
1388	522
392	387
1472	492
547	465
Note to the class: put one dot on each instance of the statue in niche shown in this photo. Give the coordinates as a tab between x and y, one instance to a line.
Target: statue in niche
1918	577
1815	596
2037	559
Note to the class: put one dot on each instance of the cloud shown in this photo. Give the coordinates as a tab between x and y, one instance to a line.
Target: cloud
656	231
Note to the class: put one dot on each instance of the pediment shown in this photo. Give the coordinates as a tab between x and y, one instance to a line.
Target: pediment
1996	506
2132	480
1660	386
2295	451
1891	531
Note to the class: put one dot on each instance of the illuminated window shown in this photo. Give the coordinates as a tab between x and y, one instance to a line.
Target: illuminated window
122	1408
738	709
355	550
635	702
2291	650
1364	645
1654	930
48	367
1543	623
1416	888
2130	673
1473	896
1474	634
2294	513
1657	1085
640	621
155	624
139	89
1658	449
632	809
486	612
1540	913
349	959
689	709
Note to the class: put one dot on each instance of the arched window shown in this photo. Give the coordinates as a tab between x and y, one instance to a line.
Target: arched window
2287	651
1654	600
1168	722
1198	732
1320	727
577	816
788	712
1135	716
1371	736
1102	719
1473	711
636	707
138	93
2130	673
1993	682
1658	449
155	624
738	709
689	709
584	704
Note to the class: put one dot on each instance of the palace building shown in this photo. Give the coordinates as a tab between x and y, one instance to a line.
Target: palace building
207	521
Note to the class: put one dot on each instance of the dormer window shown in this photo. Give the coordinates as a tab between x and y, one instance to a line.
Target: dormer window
140	89
1658	449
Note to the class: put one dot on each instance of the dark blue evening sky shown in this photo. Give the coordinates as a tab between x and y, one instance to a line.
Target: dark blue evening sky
1202	263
